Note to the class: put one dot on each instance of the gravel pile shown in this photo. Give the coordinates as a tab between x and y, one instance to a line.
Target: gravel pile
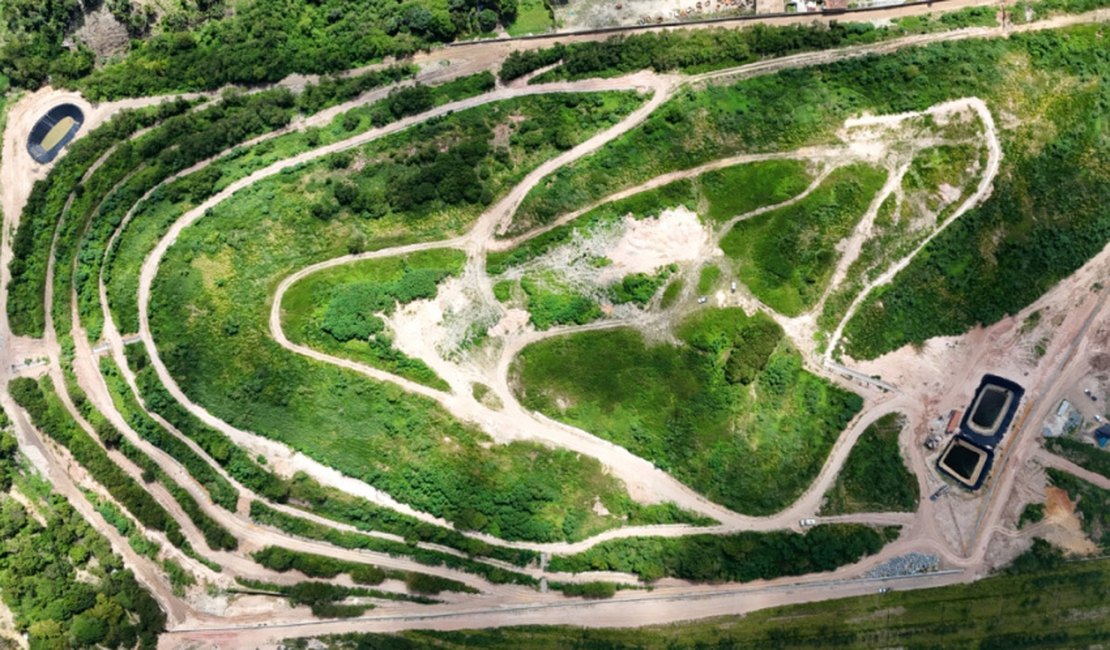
905	565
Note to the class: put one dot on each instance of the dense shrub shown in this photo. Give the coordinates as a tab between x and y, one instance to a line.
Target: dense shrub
49	415
60	579
741	557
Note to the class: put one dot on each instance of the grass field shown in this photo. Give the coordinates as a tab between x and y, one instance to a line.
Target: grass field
730	413
786	257
875	477
335	310
211	300
716	196
1058	607
532	18
736	190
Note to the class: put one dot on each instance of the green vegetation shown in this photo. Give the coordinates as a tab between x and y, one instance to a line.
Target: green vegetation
733	191
266	515
219	488
708	49
1033	513
215	535
132	171
231	457
303	490
59	577
211	297
326	599
1092	504
875	477
1085	455
1042	556
49	415
32	241
1066	601
708	277
336	310
786	257
360	513
640	288
154	216
901	224
503	290
126	526
671	293
1027	10
731	413
588	590
319	566
550	302
212	43
740	557
533	17
719	194
1041	222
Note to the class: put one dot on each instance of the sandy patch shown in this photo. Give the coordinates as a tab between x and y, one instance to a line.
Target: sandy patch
1063	527
514	320
949	193
676	235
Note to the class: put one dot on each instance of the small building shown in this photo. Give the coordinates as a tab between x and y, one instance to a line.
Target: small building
954	417
1102	436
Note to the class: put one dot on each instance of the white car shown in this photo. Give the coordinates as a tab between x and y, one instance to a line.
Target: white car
807	522
703	300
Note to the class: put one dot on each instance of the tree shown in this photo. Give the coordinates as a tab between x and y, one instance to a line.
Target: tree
487	20
88	630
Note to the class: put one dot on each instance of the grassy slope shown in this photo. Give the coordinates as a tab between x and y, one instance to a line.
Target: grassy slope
154	216
1045	217
1060	607
751	447
306	304
219	278
1041	222
875	477
739	557
899	226
786	257
718	195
